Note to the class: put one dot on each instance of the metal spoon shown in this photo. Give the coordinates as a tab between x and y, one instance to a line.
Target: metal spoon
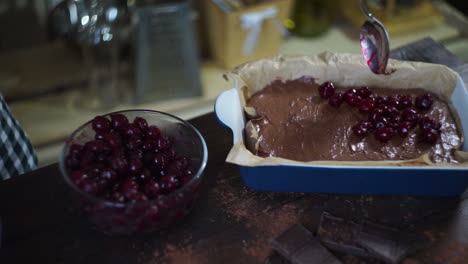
375	44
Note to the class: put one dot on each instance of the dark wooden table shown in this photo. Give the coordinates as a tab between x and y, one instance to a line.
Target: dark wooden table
229	224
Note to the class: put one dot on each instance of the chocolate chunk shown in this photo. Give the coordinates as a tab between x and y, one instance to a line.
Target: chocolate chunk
298	245
339	235
388	244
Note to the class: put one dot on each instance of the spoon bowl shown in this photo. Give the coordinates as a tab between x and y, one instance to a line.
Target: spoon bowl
375	43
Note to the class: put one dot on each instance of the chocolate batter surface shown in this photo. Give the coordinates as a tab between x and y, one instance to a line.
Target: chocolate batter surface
295	123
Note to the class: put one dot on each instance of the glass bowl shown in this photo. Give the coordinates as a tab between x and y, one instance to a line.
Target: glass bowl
141	216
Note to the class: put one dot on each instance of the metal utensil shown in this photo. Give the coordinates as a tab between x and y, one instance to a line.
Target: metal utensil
375	44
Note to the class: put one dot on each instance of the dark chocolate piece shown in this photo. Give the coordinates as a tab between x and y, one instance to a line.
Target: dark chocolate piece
339	235
388	244
298	245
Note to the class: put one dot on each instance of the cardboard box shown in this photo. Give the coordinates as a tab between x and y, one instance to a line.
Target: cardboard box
227	37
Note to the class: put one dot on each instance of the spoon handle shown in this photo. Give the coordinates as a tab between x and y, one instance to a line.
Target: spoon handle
366	11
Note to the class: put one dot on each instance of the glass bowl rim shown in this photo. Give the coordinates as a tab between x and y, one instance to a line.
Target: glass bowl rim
163	197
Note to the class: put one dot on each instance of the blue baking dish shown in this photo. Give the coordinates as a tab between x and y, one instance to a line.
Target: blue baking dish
391	180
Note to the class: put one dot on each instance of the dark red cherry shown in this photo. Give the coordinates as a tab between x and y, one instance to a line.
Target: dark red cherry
381	122
141	123
129	188
362	128
152	189
118	197
135	154
96	146
405	102
149	144
153	132
143	176
169	184
352	99
394	100
101	124
132	130
364	92
427	122
109	174
160	160
391	111
384	134
118	163
134	142
163	143
336	100
380	100
410	115
366	105
99	136
424	102
113	140
119	122
326	90
77	177
134	166
430	135
404	129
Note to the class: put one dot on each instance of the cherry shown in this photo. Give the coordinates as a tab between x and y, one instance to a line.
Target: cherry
149	144
163	143
384	134
336	100
101	124
430	135
134	142
135	154
96	146
152	189
366	105
362	128
175	168
160	160
135	165
153	132
351	97
87	159
119	122
364	92
143	176
168	183
403	129
394	100
77	177
424	102
381	122
109	174
118	197
118	163
113	140
410	115
391	111
93	186
405	102
132	130
326	90
427	122
99	136
129	188
140	123
380	100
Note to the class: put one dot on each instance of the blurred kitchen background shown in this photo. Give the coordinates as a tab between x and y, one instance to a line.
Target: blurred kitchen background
63	62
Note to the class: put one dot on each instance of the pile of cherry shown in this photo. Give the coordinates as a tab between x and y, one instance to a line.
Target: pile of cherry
127	161
387	116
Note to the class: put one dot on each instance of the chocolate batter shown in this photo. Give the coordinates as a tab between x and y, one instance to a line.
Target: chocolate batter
295	123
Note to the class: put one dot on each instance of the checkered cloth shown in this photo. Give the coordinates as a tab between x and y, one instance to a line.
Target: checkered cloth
17	155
